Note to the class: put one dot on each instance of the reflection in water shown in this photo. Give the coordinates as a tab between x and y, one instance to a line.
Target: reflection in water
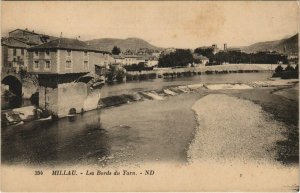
51	143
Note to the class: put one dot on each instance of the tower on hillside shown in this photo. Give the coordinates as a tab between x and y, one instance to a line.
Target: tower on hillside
225	47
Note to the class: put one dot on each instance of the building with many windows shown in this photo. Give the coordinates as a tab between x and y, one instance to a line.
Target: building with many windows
67	75
14	48
31	38
14	55
64	55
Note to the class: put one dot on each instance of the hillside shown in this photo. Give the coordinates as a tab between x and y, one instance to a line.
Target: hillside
290	44
130	43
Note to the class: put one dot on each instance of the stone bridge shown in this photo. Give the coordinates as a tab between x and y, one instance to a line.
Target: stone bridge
13	81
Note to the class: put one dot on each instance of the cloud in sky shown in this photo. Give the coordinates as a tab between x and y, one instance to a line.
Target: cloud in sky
167	24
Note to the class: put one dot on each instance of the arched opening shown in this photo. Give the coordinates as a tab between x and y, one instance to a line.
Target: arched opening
11	92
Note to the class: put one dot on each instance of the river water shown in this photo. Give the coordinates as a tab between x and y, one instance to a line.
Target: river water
143	131
156	84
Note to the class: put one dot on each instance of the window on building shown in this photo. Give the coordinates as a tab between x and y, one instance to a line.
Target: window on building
36	53
68	52
36	64
47	66
68	64
85	53
47	52
22	51
14	51
86	65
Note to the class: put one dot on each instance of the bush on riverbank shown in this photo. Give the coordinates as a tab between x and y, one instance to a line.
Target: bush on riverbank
115	73
132	77
288	73
187	73
138	67
180	74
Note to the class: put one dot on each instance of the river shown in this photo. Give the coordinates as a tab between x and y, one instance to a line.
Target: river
134	133
156	84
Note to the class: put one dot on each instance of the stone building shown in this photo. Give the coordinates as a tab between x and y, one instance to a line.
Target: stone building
31	38
14	48
126	60
14	55
200	60
66	70
64	55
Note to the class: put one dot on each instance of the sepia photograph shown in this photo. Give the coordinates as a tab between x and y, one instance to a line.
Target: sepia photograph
135	96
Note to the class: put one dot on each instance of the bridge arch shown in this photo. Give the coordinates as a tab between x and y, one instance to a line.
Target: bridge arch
14	84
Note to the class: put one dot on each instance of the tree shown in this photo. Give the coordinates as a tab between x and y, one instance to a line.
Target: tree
116	50
289	68
180	57
207	52
279	69
115	72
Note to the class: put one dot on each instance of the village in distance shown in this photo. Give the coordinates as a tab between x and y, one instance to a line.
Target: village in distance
31	61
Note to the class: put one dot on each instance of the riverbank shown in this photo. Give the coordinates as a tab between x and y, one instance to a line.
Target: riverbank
199	70
156	91
156	135
226	133
139	132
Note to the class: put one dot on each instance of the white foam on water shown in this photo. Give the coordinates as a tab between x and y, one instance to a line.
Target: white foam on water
169	92
228	86
153	95
184	89
195	86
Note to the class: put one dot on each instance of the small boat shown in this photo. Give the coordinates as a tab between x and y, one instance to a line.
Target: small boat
20	123
10	118
45	119
98	84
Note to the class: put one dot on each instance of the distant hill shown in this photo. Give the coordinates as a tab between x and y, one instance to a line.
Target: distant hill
107	44
290	44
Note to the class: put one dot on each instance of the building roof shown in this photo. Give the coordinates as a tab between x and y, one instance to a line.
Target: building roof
118	57
12	42
132	56
141	57
203	57
24	30
233	49
200	57
30	37
68	44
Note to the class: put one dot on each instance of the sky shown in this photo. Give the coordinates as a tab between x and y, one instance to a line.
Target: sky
165	24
